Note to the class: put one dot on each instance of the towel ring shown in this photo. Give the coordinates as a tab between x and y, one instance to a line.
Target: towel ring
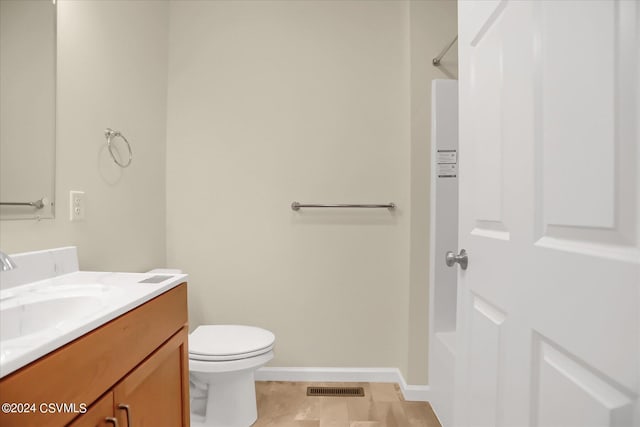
110	134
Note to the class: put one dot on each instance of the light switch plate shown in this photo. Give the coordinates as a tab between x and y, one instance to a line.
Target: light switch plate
76	205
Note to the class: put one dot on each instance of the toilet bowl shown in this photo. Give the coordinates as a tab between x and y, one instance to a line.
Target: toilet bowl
222	362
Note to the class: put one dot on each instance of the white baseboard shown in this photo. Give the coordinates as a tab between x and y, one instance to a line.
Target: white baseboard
373	375
415	393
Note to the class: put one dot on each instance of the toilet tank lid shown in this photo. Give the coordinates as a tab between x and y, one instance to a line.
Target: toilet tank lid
228	340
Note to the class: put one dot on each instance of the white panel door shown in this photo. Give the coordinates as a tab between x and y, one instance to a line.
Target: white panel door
549	306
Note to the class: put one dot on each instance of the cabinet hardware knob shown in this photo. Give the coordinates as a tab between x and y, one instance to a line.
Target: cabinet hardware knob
127	410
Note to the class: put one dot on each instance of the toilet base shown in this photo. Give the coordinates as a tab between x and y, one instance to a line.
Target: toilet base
223	393
230	401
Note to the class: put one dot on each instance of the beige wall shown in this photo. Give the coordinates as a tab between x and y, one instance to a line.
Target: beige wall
111	73
271	102
433	26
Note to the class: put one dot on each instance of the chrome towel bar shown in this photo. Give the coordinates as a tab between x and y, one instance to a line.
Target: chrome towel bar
38	204
297	205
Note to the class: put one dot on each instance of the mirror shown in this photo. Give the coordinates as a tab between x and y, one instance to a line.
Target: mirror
27	108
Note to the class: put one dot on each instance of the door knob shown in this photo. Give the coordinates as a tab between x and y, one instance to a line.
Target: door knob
461	259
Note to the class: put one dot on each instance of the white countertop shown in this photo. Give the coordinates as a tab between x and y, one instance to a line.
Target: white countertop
110	295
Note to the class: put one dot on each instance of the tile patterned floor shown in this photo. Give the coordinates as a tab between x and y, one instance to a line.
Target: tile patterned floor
286	404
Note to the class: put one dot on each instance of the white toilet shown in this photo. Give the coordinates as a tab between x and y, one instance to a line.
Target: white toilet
222	361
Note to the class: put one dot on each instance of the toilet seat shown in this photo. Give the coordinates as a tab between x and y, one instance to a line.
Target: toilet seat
230	357
218	343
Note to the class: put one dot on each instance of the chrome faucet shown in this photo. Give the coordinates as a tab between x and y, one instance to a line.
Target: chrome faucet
6	263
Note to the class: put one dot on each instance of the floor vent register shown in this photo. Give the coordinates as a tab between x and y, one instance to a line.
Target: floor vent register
336	391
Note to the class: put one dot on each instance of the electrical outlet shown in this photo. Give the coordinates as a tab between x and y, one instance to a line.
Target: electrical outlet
76	205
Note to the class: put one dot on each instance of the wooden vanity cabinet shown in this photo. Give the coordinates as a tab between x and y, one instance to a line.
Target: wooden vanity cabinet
139	359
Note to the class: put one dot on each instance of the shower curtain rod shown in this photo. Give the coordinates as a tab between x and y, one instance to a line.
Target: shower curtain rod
436	60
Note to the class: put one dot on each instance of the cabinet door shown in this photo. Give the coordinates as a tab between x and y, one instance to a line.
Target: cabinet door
100	414
156	393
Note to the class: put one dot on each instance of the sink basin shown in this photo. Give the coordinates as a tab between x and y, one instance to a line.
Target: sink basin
33	317
49	307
